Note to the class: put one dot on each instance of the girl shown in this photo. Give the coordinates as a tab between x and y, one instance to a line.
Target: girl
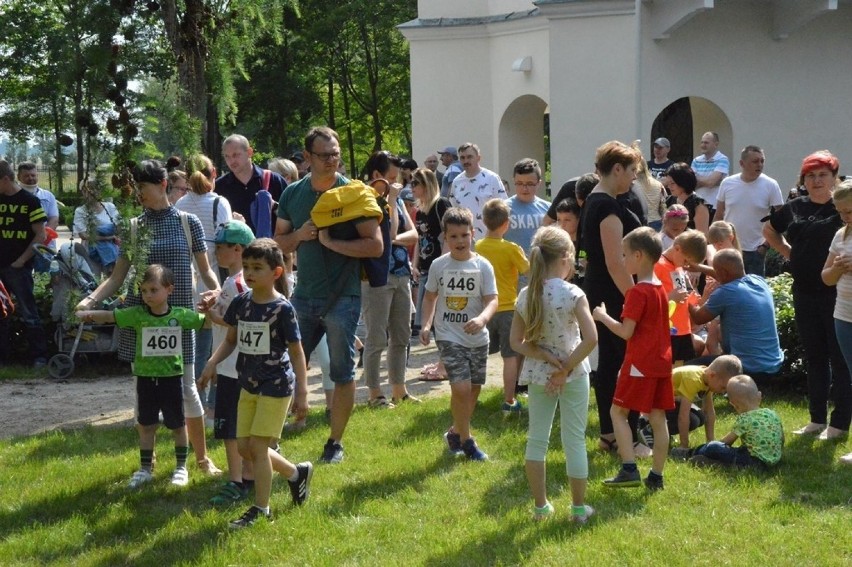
675	221
838	272
551	316
722	235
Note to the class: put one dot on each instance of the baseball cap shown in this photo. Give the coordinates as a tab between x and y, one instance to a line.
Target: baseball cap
407	195
452	150
663	142
297	157
233	232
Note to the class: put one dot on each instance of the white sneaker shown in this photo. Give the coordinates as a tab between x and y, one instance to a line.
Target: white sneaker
180	477
810	429
139	478
830	433
589	512
846	459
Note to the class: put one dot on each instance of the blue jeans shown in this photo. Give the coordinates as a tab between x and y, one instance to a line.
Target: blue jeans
728	455
19	283
754	263
338	325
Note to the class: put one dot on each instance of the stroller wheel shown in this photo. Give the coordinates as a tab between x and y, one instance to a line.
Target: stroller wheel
60	366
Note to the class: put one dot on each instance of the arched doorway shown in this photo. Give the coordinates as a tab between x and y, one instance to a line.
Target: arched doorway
522	134
685	120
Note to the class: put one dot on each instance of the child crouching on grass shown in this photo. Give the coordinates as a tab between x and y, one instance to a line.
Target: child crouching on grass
157	366
553	328
263	327
645	380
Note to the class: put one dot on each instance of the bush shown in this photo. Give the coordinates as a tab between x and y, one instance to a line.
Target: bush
794	355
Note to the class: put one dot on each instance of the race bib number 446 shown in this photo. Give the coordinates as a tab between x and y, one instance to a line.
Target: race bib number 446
462	283
253	337
161	341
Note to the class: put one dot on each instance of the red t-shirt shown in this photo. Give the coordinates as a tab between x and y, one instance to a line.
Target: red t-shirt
649	350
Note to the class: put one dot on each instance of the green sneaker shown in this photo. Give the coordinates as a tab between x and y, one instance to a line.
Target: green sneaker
230	492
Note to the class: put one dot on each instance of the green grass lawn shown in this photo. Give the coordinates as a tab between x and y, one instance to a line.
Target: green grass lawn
399	499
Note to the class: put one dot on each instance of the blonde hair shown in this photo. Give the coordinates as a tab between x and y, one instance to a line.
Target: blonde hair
727	366
692	243
612	153
201	174
285	168
742	388
431	192
549	245
645	240
843	192
721	230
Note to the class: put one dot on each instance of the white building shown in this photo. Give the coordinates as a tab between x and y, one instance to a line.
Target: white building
775	73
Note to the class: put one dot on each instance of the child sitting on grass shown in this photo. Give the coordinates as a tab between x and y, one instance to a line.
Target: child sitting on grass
262	326
157	366
759	430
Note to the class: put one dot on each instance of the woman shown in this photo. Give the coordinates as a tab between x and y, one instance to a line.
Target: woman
285	168
680	180
96	225
802	231
387	309
605	222
652	190
430	242
164	236
178	186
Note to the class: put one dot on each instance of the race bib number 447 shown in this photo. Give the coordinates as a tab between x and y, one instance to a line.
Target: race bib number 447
161	341
253	337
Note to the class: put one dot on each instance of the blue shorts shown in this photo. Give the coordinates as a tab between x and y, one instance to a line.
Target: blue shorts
338	325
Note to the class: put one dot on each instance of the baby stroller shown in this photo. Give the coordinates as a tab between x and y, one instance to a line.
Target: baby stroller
71	273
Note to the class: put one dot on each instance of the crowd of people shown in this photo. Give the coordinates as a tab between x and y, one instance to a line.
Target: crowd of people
644	280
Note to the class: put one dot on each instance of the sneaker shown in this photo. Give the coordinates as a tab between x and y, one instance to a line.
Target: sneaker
207	467
830	433
681	453
300	488
585	516
810	429
846	459
624	479
473	452
646	435
249	518
332	452
453	442
139	478
180	477
229	493
653	483
512	409
543	512
380	403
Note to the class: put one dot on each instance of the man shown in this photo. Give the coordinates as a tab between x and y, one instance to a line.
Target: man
526	209
744	200
472	188
431	162
661	161
241	185
302	164
744	304
28	180
406	169
21	225
710	167
450	160
327	297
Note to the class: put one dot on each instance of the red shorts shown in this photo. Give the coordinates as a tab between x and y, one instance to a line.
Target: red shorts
644	394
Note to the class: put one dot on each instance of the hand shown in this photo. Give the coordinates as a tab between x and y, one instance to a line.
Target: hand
208	375
16	264
308	231
678	295
300	405
237	216
425	336
415	274
393	192
599	312
474	326
207	300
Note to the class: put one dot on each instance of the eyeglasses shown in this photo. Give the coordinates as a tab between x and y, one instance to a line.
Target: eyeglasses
527	185
327	157
414	183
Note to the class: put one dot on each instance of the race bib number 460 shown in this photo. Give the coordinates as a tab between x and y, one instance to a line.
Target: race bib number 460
253	337
462	283
161	341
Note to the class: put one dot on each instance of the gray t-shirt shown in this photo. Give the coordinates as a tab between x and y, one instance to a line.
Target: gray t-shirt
460	286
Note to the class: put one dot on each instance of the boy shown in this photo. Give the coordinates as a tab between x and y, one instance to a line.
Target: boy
230	240
462	285
645	381
688	247
759	429
158	367
508	261
568	216
262	325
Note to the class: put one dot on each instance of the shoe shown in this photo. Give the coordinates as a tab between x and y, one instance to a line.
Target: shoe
607	445
681	453
653	483
407	398
846	459
810	429
300	488
542	513
512	409
585	516
646	435
207	467
139	478
830	433
332	452
298	425
624	479
180	477
229	493
453	442
249	518
641	451
380	403
702	461
473	452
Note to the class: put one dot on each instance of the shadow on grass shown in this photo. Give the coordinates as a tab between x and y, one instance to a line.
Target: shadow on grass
809	473
77	443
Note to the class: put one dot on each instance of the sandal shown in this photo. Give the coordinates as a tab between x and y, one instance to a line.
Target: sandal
406	398
607	445
380	403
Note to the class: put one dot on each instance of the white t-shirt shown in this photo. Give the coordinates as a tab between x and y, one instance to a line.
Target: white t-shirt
460	286
473	192
202	207
843	305
107	215
704	166
561	331
231	288
747	203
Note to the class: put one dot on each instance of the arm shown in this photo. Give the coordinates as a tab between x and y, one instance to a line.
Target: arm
38	238
489	308
611	236
428	313
589	334
712	179
684	405
519	343
776	240
623	329
224	351
288	239
720	211
108	287
207	275
415	261
709	416
408	237
835	267
97	317
79	225
730	438
702	219
368	244
300	396
700	315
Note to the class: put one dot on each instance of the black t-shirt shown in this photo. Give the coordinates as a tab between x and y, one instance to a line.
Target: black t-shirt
429	232
18	212
241	196
635	201
809	228
658	170
691	203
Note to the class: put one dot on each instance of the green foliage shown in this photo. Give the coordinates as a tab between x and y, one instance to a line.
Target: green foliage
794	355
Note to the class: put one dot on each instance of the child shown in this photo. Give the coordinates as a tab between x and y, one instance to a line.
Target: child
689	247
569	214
158	367
462	285
759	429
722	235
262	326
231	240
508	261
674	222
551	317
645	381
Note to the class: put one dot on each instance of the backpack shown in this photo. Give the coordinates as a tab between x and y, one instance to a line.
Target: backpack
261	208
7	306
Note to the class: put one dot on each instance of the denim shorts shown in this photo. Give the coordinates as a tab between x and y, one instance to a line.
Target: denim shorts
338	325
